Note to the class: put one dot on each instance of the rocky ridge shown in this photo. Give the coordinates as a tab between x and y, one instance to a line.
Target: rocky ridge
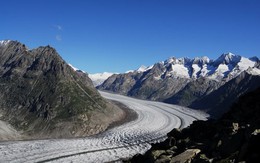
43	97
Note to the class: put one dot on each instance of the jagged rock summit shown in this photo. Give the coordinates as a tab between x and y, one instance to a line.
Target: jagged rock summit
43	97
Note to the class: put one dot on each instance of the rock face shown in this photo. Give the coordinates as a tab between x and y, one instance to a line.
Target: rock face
218	101
193	91
43	97
184	81
235	137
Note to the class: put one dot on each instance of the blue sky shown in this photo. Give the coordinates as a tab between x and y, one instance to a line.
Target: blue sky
119	35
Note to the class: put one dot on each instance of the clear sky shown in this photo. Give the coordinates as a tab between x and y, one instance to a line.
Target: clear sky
121	35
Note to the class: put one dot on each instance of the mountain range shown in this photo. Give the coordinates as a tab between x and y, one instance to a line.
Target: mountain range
43	97
190	82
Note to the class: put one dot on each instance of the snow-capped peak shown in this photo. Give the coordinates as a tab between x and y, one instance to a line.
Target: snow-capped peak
230	54
170	60
206	59
4	42
129	71
228	58
142	68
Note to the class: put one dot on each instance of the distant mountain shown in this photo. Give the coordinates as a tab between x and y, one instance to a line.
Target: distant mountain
43	97
181	80
99	78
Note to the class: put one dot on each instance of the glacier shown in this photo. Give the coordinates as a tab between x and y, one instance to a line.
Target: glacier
155	120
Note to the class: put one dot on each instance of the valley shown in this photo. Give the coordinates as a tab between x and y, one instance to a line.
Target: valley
130	81
155	120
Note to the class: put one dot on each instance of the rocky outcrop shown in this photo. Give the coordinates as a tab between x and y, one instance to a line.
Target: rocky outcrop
43	97
235	137
185	156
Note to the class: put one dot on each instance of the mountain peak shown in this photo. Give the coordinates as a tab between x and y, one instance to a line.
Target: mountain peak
4	42
43	97
227	58
173	60
254	58
229	54
201	60
143	68
13	44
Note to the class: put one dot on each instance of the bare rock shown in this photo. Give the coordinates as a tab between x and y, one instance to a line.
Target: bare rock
186	156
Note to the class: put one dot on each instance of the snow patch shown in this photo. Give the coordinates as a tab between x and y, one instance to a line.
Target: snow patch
144	68
179	70
196	70
99	78
253	71
245	63
74	68
220	72
204	71
4	42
